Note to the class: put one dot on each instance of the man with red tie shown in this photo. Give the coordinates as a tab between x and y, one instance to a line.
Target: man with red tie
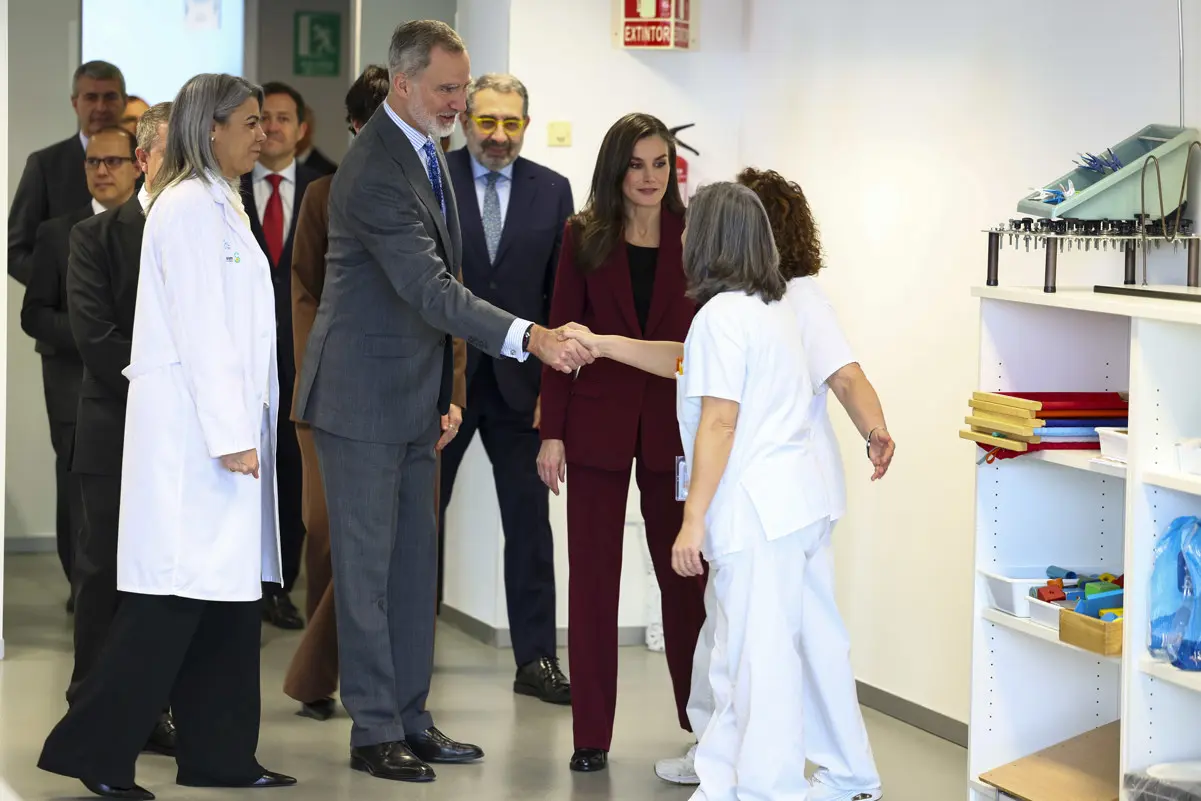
272	194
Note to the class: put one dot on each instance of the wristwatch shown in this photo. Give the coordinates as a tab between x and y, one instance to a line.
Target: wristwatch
525	339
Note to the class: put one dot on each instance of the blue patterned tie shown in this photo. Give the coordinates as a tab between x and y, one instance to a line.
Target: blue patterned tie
492	223
431	164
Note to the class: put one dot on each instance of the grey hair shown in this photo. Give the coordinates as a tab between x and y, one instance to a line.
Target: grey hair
409	53
499	82
729	245
97	71
149	123
204	100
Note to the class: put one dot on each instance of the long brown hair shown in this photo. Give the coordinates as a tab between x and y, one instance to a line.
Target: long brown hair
792	221
599	226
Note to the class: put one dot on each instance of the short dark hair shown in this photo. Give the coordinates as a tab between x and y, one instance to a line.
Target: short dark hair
280	88
97	71
409	53
117	129
366	94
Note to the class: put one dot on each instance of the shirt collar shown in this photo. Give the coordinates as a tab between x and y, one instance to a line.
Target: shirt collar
144	197
415	137
97	208
479	171
260	172
83	140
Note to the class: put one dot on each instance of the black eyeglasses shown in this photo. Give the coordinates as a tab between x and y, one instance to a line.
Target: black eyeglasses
112	162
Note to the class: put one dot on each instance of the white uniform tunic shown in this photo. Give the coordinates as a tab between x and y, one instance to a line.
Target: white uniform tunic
835	736
768	518
202	385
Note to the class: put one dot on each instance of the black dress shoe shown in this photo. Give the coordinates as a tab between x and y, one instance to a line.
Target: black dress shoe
108	791
279	611
544	680
589	760
432	745
268	778
162	738
391	761
318	710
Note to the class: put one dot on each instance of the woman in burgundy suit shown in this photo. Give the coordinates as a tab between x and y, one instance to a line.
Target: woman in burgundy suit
620	272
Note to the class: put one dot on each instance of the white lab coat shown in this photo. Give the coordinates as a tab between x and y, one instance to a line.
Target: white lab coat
767	520
202	384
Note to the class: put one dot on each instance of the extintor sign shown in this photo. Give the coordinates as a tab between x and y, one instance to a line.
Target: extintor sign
654	24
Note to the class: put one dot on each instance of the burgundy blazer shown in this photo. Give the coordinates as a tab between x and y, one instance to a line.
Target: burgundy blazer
600	413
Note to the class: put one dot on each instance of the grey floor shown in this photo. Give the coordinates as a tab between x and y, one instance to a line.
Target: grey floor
527	742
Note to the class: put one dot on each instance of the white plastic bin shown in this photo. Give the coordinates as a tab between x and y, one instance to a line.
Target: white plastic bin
1113	443
1045	614
1009	588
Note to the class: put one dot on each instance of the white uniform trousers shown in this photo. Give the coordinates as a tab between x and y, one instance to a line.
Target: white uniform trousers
835	738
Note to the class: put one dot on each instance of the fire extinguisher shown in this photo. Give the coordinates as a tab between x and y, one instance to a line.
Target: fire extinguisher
681	162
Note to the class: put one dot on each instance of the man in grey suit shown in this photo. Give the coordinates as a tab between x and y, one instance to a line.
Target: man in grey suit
378	363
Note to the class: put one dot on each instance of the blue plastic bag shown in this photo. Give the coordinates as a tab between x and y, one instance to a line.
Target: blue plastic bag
1168	577
1184	641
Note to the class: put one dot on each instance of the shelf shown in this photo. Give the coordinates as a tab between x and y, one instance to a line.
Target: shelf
1085	299
1032	629
1181	482
1080	460
1165	672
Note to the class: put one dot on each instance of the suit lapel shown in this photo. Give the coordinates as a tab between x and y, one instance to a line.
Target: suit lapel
455	250
471	221
521	201
402	152
667	275
303	179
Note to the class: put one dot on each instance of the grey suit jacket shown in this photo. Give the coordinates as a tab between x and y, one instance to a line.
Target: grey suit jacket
375	355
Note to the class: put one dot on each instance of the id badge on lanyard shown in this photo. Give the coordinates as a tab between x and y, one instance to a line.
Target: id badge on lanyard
681	479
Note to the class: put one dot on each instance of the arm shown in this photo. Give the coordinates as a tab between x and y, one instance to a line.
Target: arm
858	397
658	358
308	267
188	239
711	453
92	311
458	392
44	310
30	207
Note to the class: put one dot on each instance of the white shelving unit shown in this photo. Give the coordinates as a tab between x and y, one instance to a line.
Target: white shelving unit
1029	690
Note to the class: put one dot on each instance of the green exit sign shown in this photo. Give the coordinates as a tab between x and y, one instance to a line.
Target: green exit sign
317	44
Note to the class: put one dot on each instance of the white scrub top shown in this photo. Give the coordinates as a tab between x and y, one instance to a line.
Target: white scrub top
826	351
744	350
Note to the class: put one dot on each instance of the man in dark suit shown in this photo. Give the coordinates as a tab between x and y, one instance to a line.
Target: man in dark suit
102	287
513	213
272	194
376	375
307	152
111	177
54	182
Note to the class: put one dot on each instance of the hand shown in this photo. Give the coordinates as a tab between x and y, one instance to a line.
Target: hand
246	462
578	333
564	355
686	553
552	464
880	450
450	426
538	413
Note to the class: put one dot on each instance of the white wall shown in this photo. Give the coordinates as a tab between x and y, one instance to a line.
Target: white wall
911	127
379	19
3	309
327	96
44	51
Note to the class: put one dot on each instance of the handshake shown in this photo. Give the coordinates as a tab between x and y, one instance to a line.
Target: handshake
565	349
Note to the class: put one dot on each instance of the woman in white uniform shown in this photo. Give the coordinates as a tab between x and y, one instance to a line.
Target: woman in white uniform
198	532
756	495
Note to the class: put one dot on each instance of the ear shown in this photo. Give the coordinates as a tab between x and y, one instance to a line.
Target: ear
303	131
142	159
400	84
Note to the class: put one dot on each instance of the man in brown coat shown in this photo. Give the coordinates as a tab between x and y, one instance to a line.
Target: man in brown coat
313	675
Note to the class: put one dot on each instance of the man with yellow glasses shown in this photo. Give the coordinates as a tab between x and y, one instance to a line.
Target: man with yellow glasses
513	212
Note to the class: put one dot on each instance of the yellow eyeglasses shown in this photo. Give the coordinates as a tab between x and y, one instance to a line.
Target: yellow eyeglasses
488	124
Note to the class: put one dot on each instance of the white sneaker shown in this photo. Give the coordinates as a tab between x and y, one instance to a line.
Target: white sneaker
824	792
680	770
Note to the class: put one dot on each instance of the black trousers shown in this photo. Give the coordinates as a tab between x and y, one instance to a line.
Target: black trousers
66	491
94	575
200	656
289	478
512	444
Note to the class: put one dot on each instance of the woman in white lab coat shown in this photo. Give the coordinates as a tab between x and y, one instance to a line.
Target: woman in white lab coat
756	499
198	532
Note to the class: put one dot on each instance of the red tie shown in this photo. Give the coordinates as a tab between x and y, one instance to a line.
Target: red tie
273	221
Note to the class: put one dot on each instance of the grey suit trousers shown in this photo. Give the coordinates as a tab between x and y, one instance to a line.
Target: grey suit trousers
383	540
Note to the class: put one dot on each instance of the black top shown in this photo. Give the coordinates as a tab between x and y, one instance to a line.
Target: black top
642	279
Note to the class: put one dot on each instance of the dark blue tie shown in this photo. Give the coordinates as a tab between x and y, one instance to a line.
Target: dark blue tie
431	163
